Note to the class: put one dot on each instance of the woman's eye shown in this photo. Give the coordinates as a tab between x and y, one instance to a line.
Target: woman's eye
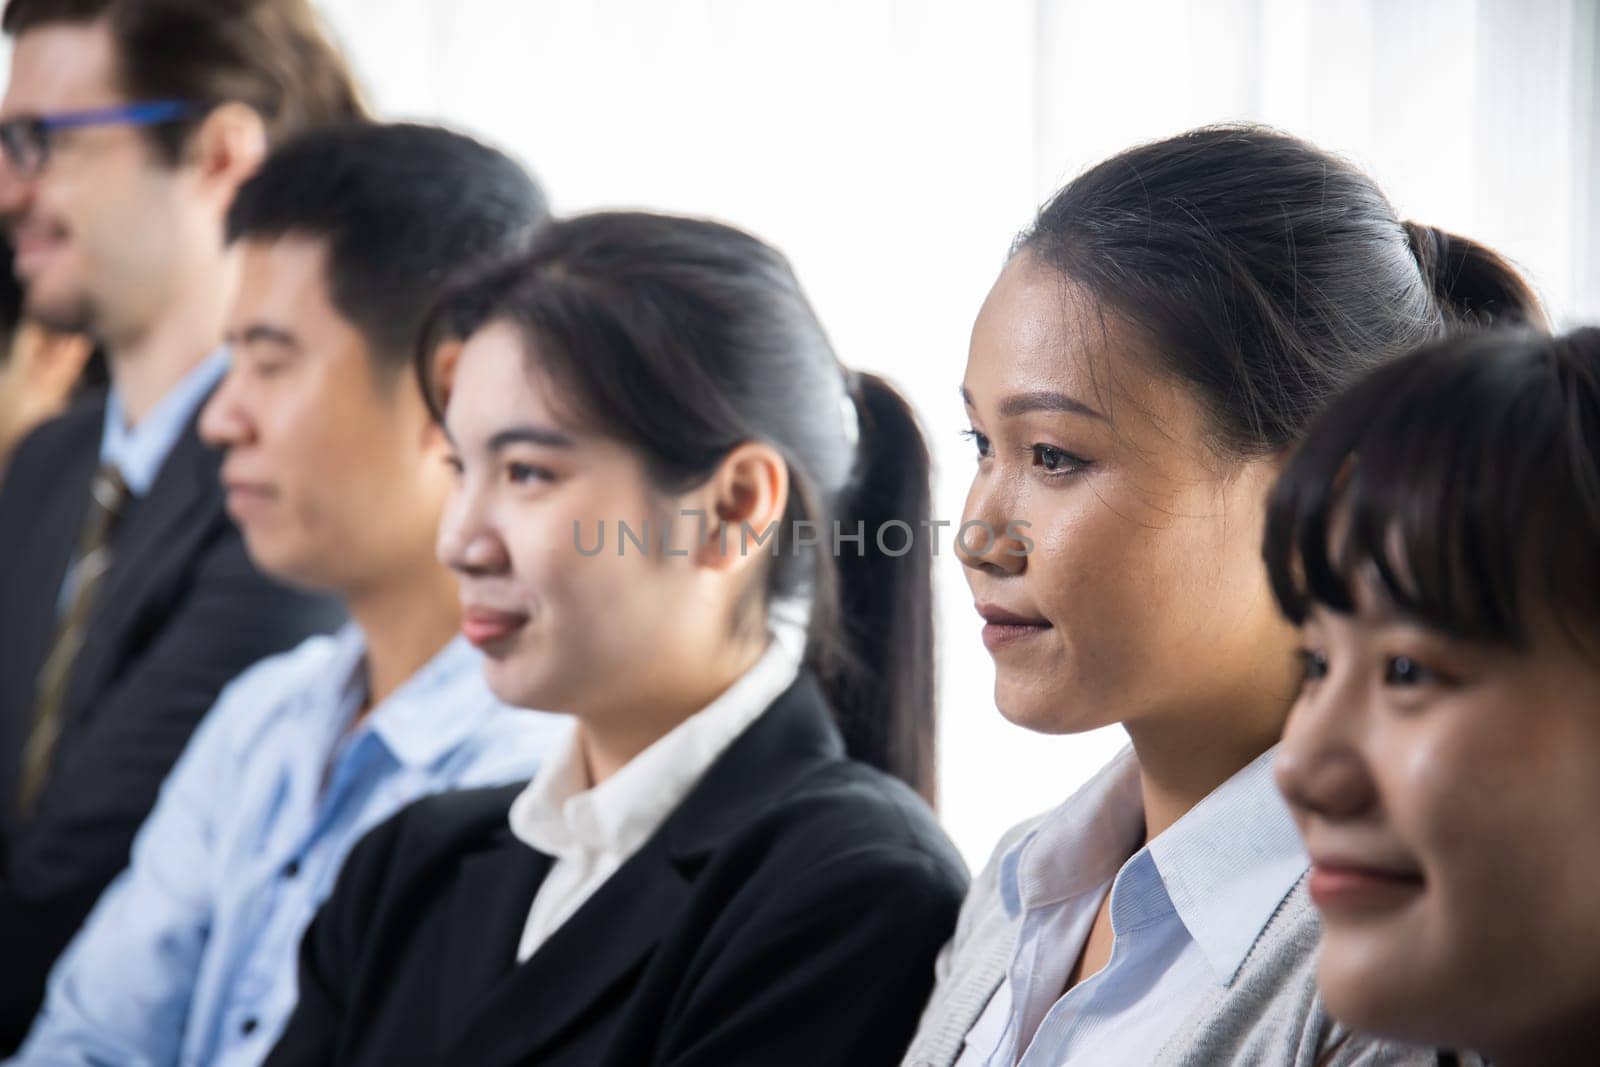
1403	670
525	474
978	440
1313	664
1056	460
453	464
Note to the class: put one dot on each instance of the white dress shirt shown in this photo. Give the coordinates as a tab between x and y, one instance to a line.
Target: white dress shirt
593	830
1185	910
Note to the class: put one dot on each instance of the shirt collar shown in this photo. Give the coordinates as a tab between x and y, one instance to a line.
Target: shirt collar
428	716
139	452
1224	867
560	814
1229	862
1079	846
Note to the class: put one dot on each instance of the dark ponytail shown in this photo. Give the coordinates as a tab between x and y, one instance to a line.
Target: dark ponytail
878	655
1474	285
683	339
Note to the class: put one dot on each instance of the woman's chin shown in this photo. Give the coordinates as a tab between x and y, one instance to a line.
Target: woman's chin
1042	710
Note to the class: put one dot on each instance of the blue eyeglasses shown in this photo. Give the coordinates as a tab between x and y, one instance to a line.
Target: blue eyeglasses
25	140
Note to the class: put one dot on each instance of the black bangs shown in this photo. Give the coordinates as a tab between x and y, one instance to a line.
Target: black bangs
1459	483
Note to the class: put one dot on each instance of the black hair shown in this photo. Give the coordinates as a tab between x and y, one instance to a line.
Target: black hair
403	208
1265	273
1463	480
685	338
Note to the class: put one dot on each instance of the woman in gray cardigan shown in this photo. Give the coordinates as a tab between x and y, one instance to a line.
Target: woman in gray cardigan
1156	343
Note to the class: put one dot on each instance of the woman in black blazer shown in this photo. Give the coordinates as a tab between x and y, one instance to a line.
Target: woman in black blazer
659	456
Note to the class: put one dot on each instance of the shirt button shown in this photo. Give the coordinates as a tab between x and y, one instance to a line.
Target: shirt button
248	1027
291	869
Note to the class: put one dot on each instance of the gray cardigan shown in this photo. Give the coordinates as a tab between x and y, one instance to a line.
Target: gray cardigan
1270	1014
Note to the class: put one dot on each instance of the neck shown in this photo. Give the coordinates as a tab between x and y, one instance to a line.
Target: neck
148	362
405	624
611	740
1185	755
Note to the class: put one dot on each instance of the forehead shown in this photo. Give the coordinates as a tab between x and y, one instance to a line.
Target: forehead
1039	331
285	278
62	66
489	383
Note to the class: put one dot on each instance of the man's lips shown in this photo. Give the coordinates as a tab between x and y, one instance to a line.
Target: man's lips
1003	627
243	496
488	626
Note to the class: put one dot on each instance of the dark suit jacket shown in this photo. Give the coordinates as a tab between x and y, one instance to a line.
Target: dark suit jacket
180	612
788	912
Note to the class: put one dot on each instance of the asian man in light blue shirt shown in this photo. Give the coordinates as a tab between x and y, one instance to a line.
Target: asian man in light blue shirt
337	479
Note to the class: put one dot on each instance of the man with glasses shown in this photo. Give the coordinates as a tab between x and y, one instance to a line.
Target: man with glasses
127	599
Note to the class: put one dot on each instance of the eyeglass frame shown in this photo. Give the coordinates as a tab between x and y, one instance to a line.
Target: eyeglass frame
40	127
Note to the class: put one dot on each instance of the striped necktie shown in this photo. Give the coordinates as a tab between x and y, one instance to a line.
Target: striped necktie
108	497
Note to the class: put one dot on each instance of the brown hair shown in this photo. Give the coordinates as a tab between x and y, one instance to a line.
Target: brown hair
273	55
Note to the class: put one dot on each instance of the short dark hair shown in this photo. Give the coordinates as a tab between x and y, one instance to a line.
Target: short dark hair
683	338
1265	273
402	208
1465	478
273	55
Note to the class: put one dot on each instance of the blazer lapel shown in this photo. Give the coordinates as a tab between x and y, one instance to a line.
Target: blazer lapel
49	554
494	888
602	945
163	526
32	593
610	938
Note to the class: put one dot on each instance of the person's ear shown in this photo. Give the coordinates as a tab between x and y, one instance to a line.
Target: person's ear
750	489
228	148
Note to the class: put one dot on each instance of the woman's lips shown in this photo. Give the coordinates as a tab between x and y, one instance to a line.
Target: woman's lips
1004	628
486	627
1345	888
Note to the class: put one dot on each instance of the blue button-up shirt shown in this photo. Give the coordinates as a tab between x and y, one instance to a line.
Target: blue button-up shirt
1185	911
190	956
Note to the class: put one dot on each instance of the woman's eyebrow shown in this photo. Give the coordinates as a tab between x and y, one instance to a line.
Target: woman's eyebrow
531	435
1039	400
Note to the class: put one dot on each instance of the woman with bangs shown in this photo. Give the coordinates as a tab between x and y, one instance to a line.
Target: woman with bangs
1155	346
1437	540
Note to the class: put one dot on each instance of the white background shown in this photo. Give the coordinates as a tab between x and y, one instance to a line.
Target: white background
893	147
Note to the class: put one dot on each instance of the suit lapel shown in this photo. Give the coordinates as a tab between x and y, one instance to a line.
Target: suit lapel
609	940
49	554
163	526
593	953
32	593
494	888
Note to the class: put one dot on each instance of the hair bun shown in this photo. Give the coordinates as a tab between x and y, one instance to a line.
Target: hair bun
1472	284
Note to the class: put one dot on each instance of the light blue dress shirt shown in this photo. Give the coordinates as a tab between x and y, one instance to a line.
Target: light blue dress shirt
190	956
139	452
1185	910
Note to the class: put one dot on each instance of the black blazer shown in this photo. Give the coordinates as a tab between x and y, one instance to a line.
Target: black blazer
181	612
788	912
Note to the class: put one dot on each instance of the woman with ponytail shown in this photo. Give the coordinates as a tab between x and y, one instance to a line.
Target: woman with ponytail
1153	349
667	525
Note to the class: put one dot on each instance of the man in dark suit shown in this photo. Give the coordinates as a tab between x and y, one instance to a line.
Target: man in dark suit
126	597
